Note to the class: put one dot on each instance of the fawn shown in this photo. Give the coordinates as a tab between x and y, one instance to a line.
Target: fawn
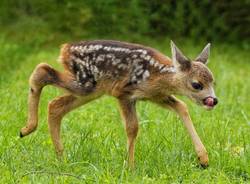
129	72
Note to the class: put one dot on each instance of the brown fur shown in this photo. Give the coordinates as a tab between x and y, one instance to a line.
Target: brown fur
200	72
158	88
65	55
162	58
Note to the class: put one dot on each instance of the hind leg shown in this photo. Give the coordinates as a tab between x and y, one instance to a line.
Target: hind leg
56	110
59	107
44	75
38	79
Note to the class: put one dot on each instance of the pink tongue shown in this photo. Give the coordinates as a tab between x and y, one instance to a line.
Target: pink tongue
209	101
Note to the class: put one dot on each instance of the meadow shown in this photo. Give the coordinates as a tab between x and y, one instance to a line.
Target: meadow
94	137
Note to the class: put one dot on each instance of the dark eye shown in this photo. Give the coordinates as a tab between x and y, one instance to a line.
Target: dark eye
197	86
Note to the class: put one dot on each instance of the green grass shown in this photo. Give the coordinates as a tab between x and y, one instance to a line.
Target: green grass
94	138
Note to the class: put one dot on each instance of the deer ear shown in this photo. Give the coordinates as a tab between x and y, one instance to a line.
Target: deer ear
179	60
203	56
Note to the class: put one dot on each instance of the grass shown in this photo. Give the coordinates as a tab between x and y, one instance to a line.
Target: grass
93	135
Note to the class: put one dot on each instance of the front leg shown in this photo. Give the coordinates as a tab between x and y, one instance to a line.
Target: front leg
181	109
128	113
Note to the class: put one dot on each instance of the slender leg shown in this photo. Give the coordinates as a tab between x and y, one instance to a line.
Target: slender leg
44	75
59	107
128	113
38	79
181	109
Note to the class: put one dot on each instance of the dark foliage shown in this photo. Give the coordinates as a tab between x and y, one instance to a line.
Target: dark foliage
199	19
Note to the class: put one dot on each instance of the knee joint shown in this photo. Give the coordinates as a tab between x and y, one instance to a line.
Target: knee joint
42	75
54	109
132	130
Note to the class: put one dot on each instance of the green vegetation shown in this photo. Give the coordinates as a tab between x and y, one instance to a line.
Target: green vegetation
199	19
95	143
93	135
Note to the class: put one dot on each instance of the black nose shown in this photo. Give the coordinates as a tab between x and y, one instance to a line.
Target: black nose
215	101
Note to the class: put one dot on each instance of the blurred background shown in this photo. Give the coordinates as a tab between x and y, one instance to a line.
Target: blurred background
31	32
27	26
55	21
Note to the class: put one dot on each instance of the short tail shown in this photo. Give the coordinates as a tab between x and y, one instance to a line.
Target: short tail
64	57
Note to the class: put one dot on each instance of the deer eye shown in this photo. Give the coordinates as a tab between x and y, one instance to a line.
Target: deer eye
197	86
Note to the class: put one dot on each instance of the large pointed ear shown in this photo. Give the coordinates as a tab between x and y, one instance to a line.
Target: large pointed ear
179	60
203	56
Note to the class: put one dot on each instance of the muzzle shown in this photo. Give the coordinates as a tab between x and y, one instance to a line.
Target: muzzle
210	101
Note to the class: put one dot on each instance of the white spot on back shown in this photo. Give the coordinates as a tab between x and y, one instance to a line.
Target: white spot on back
151	62
146	74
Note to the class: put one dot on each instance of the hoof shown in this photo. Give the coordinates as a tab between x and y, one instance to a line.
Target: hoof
21	135
204	166
203	160
26	131
59	154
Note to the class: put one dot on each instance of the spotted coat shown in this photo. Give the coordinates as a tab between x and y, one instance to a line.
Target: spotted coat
91	61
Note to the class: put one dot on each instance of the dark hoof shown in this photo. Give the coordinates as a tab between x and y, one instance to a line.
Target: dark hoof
21	135
203	166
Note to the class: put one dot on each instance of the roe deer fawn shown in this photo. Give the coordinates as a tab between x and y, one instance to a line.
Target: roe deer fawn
129	72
